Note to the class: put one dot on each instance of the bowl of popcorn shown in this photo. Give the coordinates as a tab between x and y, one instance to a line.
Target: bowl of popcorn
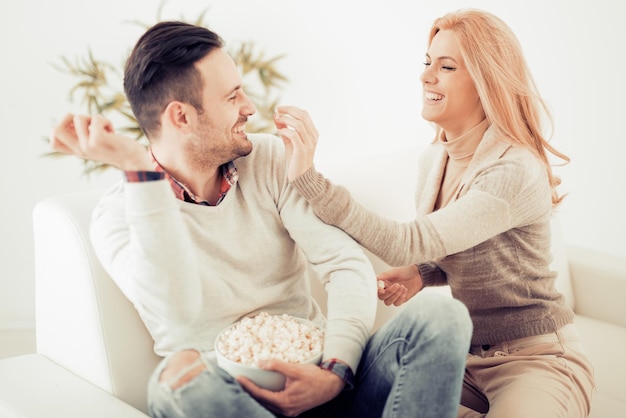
240	347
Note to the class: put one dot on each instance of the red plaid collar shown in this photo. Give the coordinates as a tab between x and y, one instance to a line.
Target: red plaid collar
229	178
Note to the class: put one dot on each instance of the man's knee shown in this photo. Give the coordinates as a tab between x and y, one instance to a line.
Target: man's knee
442	315
182	368
454	316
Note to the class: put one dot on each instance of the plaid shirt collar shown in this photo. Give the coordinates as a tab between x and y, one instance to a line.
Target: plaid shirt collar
229	178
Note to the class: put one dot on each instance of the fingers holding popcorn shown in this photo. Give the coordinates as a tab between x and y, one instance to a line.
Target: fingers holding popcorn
300	136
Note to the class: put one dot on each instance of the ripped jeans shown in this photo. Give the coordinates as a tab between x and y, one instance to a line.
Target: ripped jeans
412	367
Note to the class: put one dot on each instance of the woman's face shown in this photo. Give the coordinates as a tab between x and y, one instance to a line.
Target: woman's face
450	97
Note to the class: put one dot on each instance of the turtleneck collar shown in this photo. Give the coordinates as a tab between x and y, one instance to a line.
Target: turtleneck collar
461	149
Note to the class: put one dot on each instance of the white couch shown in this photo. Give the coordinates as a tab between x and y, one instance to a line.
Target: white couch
94	355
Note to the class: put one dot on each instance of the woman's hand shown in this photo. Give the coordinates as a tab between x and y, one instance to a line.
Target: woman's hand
306	386
400	284
297	131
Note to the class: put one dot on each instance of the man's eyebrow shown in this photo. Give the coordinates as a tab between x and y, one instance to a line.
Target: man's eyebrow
233	90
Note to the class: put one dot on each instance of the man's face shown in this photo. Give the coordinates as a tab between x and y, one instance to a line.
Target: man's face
219	135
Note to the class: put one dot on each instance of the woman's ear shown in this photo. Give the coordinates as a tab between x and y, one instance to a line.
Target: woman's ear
179	116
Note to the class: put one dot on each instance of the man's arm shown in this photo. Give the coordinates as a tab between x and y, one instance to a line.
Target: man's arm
141	240
349	280
93	138
137	231
338	261
346	274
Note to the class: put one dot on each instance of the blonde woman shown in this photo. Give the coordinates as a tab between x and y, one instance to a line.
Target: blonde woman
485	196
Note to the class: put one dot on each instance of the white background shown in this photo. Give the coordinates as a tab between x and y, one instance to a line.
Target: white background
353	64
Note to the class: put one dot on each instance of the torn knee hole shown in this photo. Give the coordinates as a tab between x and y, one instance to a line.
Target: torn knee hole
182	368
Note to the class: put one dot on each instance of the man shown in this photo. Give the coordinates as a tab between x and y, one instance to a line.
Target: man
234	239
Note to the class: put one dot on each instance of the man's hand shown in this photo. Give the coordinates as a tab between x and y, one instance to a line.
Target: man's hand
299	134
399	284
306	386
94	138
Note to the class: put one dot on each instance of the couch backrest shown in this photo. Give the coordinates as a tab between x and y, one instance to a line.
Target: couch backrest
83	322
560	262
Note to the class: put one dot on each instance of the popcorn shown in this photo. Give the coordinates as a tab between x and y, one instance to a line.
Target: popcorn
266	336
381	284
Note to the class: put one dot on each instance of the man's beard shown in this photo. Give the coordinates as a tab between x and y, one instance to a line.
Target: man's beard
204	155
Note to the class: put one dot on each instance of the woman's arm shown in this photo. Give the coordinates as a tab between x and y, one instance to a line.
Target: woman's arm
502	196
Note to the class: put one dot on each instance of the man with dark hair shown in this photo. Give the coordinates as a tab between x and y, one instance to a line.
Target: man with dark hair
235	239
161	70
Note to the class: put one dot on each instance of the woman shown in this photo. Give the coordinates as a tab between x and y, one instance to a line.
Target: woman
485	195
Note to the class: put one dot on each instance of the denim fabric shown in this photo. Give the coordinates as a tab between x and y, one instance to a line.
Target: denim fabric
412	367
213	393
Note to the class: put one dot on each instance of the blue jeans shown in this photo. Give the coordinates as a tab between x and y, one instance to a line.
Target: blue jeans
412	367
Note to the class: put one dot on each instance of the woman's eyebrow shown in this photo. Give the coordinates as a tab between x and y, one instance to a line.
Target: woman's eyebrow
445	57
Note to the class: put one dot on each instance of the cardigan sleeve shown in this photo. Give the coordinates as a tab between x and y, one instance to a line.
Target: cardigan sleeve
432	275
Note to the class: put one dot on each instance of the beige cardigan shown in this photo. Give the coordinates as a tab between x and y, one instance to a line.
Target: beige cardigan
491	244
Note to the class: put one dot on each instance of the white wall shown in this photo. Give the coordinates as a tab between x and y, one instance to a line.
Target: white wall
353	64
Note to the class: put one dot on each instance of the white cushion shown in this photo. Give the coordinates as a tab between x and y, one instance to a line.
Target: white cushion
604	344
560	263
37	388
84	322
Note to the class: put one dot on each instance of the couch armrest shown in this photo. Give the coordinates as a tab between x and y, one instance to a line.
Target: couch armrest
33	386
84	322
599	284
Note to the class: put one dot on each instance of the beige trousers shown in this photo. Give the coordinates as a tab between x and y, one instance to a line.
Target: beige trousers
545	376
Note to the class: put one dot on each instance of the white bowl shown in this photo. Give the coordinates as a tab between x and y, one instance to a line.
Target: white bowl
264	378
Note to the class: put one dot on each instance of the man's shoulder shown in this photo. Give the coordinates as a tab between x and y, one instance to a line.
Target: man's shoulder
267	150
266	166
266	143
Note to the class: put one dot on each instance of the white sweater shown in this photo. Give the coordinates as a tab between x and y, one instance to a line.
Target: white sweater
191	270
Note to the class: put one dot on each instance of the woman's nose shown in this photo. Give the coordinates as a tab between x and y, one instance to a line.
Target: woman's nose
427	75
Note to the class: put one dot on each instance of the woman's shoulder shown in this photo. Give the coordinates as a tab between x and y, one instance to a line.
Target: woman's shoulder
432	154
498	148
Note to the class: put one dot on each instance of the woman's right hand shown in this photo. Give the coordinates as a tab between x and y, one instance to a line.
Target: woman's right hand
399	284
299	134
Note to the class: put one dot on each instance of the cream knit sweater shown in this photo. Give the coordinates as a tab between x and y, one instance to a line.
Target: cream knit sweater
191	270
491	244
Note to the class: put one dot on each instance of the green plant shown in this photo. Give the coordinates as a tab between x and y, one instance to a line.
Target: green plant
98	89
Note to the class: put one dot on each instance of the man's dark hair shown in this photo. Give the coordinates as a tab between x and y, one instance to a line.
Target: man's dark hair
161	69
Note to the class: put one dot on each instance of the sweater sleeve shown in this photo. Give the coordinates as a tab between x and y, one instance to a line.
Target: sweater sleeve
346	275
432	275
341	266
137	231
503	195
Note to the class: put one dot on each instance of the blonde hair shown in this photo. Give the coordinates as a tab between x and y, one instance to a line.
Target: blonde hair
507	91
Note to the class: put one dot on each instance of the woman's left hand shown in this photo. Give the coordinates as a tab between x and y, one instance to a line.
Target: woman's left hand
297	131
399	284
